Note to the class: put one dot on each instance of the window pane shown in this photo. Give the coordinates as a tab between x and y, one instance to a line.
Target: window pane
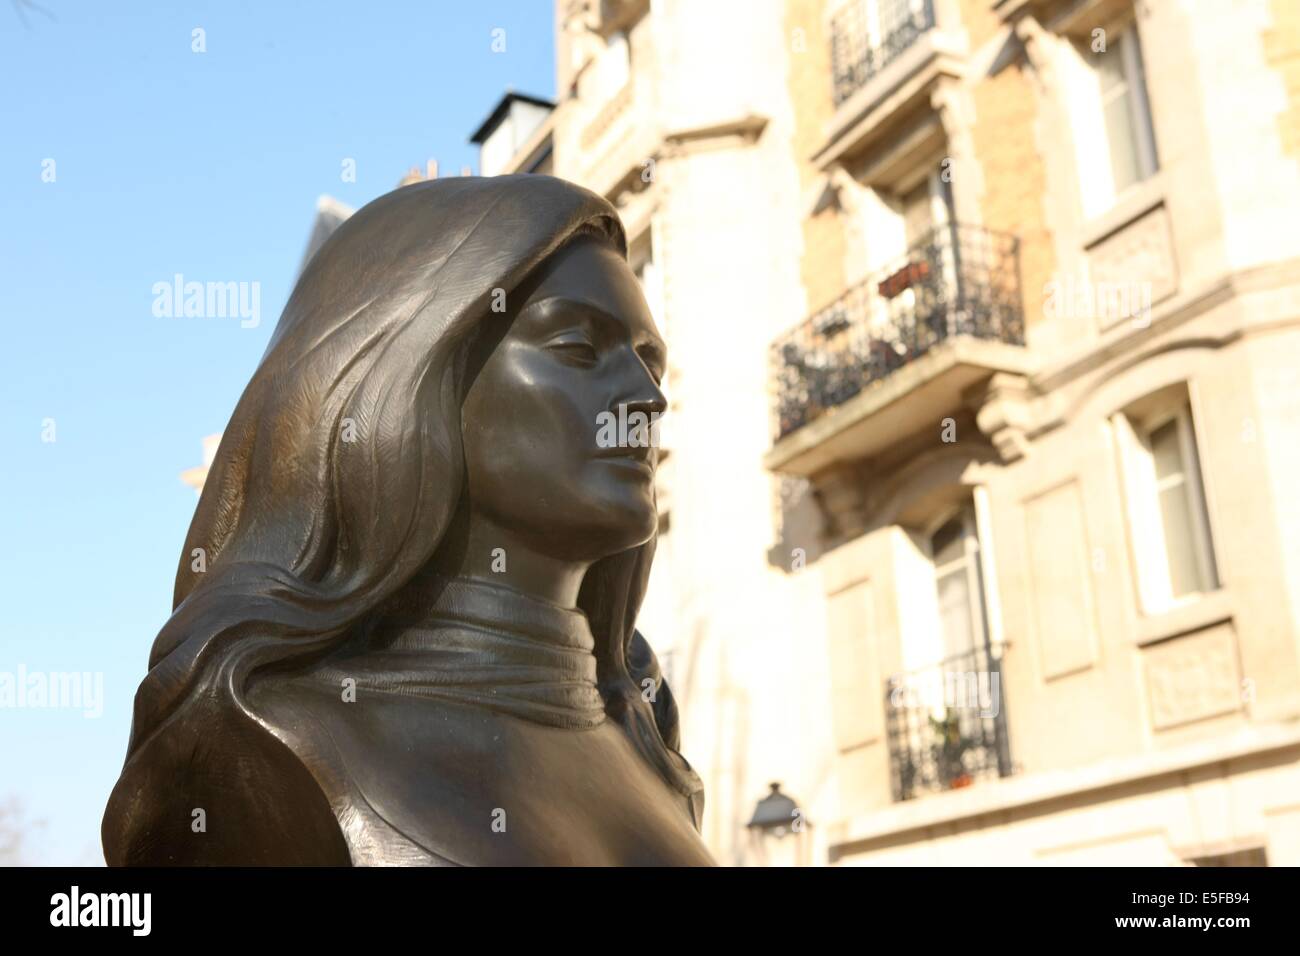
955	552
1180	542
893	14
1109	65
1140	105
955	612
1123	145
1166	452
1124	109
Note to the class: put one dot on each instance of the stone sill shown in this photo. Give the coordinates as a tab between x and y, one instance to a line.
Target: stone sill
1205	611
1130	206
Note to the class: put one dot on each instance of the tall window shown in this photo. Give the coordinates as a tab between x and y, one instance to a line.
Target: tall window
1111	115
1171	530
959	584
925	210
1121	83
926	206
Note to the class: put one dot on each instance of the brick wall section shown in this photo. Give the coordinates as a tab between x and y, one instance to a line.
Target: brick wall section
1282	52
1006	147
809	81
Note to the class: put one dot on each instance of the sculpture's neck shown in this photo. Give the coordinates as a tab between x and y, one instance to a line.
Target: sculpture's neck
470	642
477	547
486	606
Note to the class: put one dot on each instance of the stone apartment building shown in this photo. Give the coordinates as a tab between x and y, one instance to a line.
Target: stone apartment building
1046	398
983	324
984	328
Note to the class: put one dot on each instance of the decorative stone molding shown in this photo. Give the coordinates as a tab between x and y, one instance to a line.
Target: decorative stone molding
841	491
1001	407
605	118
740	131
1035	40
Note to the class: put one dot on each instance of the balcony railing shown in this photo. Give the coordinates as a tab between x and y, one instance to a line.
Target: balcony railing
868	35
947	724
958	280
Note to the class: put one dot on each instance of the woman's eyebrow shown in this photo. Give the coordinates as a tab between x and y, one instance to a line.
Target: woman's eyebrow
570	302
605	321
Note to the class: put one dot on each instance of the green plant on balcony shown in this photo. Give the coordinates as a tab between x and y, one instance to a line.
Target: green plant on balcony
949	750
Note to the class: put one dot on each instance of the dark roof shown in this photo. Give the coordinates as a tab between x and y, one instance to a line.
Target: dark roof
500	110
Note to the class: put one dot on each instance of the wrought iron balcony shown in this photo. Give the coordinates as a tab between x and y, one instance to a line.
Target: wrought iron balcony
868	35
958	280
947	724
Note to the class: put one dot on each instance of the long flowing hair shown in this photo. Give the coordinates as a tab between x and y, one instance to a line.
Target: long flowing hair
342	466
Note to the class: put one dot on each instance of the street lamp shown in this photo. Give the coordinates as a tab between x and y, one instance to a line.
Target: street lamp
775	817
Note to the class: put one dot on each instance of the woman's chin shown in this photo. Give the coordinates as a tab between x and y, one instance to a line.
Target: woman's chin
621	522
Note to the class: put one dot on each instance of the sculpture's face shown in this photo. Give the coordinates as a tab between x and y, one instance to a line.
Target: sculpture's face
541	457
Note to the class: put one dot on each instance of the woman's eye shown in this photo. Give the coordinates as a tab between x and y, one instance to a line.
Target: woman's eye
575	349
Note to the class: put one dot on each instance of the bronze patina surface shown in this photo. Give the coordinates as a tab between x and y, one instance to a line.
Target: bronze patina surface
404	617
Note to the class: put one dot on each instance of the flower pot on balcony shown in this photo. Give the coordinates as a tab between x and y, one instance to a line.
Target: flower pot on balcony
956	783
903	279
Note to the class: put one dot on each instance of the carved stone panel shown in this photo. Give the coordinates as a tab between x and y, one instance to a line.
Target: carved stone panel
1131	269
1192	677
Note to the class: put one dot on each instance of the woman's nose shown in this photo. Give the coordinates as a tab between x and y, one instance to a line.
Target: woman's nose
641	393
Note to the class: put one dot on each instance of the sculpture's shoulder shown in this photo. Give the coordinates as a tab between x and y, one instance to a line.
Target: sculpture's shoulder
213	787
359	754
418	779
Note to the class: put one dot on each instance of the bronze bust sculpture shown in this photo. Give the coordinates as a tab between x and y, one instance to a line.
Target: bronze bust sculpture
403	629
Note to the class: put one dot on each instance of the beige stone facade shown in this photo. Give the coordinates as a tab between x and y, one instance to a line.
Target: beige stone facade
1018	578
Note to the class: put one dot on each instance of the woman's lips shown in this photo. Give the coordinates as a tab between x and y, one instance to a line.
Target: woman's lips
633	458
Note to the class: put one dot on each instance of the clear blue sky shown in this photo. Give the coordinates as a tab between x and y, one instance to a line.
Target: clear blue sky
170	161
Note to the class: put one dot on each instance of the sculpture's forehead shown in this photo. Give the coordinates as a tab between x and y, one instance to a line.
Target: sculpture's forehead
589	271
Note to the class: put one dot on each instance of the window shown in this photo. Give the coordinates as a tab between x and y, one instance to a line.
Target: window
945	711
916	280
1167	513
927	206
889	19
1127	118
1111	115
868	35
959	586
